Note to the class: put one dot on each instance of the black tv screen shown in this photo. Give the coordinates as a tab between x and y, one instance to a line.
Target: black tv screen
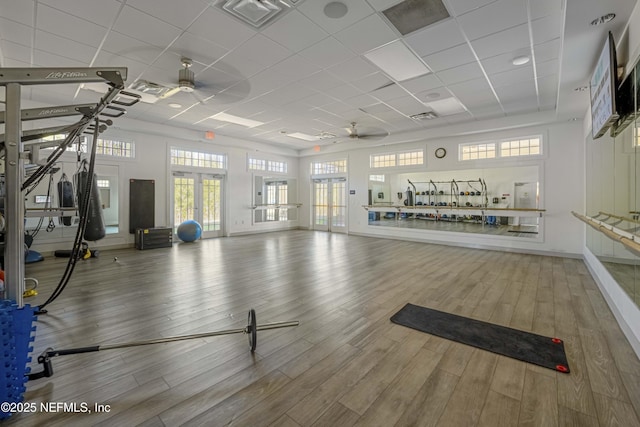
603	90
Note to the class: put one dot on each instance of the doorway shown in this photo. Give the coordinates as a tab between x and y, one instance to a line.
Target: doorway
330	205
525	196
198	196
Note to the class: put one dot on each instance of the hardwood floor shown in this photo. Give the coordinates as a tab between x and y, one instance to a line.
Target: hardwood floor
346	364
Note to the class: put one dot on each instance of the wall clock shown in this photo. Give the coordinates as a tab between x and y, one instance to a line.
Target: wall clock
440	152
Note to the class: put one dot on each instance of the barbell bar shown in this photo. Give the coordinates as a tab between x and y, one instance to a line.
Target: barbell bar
251	330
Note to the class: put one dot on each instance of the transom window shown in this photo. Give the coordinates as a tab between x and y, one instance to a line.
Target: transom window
520	147
197	159
477	151
330	167
411	158
257	164
275	166
383	160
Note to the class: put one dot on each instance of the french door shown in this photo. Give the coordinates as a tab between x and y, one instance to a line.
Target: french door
198	196
330	205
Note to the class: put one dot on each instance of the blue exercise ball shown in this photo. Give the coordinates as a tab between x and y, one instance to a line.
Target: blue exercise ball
189	231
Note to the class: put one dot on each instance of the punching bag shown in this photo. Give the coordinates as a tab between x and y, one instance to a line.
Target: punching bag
95	219
65	195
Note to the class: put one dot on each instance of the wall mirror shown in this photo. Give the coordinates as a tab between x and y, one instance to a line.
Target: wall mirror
497	201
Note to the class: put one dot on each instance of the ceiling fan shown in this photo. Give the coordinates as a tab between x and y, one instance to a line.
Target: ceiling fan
371	134
186	83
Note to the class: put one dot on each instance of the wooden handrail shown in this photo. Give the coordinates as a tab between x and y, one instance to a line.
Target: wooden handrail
635	221
628	243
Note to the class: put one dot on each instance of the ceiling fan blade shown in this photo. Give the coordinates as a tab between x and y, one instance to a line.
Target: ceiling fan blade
374	135
170	92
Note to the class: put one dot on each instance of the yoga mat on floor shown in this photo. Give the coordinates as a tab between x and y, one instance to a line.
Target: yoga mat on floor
532	348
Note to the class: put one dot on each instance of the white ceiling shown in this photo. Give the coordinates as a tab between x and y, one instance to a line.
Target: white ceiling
307	72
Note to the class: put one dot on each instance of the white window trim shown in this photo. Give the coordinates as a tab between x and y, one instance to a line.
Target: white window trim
498	142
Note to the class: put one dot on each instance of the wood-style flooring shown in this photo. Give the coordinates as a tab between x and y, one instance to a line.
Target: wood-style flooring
346	364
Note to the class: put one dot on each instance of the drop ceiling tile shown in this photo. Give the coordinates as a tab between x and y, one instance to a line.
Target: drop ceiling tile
548	50
171	62
15	32
314	10
548	89
245	66
381	5
505	41
101	13
392	91
520	106
295	67
436	38
338	107
462	117
286	94
450	58
516	92
198	49
219	79
460	74
15	52
295	31
318	100
216	27
547	68
370	33
46	59
540	8
327	52
493	18
122	45
321	81
407	105
146	28
179	14
487	111
371	82
422	83
473	93
547	28
353	69
18	11
66	48
67	26
446	107
361	101
343	92
521	74
374	109
463	6
263	50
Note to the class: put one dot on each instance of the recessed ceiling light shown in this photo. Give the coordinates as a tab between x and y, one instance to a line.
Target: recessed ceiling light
581	88
224	117
603	19
398	61
335	10
175	105
303	136
520	60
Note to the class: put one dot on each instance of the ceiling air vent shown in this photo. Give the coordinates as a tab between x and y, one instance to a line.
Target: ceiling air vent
257	13
411	15
427	115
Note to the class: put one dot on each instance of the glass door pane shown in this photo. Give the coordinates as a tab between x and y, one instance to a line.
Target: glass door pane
320	205
211	206
184	202
338	206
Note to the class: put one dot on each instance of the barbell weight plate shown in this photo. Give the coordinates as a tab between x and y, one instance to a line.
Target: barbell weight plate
252	330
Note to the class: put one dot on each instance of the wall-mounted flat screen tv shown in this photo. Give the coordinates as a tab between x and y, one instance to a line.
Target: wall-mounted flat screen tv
603	90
